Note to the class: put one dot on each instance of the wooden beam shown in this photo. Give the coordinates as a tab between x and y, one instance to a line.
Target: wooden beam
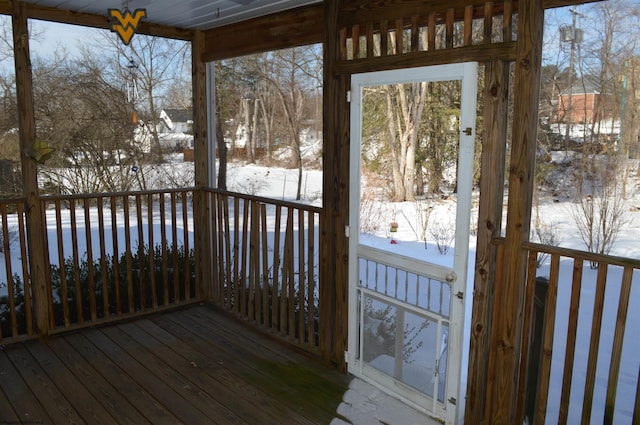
202	206
66	16
36	231
291	28
365	11
507	324
494	138
502	51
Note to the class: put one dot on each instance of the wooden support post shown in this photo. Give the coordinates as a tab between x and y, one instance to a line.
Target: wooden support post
201	204
507	325
333	242
36	232
494	140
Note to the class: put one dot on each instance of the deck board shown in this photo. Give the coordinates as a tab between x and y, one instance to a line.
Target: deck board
194	365
96	384
58	409
124	384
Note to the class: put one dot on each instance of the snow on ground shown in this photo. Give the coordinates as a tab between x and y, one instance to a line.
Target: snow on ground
282	184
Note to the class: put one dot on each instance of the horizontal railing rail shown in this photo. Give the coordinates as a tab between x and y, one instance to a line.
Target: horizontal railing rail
581	338
266	263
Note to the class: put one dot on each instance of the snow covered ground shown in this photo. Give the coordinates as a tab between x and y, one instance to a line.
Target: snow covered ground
281	184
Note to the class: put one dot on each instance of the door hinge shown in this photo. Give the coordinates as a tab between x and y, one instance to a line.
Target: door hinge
348	96
453	401
468	131
346	231
460	295
346	357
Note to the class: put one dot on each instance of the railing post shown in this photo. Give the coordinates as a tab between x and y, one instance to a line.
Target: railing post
36	231
536	347
201	203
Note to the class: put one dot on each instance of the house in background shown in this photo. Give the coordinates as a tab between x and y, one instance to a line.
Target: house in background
176	121
590	111
174	128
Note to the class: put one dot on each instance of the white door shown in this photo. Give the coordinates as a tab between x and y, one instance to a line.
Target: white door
406	300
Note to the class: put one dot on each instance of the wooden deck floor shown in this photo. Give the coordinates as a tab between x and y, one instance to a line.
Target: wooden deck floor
192	366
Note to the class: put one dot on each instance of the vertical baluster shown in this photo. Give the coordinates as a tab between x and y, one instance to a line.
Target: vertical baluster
25	268
449	28
103	258
47	266
90	269
572	329
64	295
618	338
301	277
468	25
355	40
174	247
488	22
343	44
596	327
415	33
116	255
163	241
187	245
507	21
76	262
254	240
431	32
152	252
277	293
529	302
243	270
266	289
7	262
399	37
384	38
141	254
549	323
369	38
290	274
128	253
311	292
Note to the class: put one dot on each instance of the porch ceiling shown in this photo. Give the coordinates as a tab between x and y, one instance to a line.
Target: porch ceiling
194	14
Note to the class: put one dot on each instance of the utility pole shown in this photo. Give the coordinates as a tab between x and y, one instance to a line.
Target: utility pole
573	36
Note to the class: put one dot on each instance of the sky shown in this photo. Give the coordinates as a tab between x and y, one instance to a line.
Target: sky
57	36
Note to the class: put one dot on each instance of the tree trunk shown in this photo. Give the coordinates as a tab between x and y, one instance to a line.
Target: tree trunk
249	135
254	129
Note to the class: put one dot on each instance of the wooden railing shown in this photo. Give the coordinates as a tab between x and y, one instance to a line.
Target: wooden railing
588	364
107	256
115	255
266	263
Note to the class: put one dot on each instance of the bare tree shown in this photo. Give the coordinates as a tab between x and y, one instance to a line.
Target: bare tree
147	69
293	83
82	114
599	211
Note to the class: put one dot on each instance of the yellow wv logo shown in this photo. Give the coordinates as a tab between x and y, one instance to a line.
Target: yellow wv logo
125	23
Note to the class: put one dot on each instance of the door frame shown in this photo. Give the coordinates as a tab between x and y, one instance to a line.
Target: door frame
457	275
